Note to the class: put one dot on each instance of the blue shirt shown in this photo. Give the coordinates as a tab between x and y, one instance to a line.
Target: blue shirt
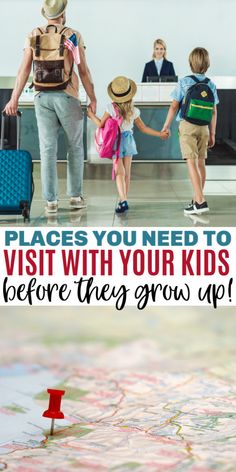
183	85
158	63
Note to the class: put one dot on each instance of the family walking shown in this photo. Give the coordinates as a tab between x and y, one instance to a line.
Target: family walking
57	105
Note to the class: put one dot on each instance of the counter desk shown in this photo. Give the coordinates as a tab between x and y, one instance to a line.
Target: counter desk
153	100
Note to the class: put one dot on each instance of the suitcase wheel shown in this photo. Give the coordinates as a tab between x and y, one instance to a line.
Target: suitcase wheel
26	214
25	210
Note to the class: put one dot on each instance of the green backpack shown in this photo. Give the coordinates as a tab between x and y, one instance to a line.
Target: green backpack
198	104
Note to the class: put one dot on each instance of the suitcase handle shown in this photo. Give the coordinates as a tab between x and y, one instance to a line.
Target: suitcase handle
18	125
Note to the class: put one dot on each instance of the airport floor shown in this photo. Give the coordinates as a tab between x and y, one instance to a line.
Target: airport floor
153	202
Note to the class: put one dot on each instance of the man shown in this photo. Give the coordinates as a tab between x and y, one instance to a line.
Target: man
55	108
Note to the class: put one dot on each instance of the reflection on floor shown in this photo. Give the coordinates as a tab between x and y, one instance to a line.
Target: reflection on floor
149	391
152	202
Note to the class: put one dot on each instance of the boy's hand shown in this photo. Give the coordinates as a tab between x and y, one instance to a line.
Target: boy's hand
211	141
165	129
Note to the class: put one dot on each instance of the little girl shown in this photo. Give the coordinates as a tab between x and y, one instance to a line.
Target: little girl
122	90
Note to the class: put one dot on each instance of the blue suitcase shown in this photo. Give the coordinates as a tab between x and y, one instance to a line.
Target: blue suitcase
16	177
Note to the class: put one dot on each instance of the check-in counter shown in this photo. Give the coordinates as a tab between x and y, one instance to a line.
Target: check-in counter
153	100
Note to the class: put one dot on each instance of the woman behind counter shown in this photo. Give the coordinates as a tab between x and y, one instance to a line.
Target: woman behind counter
159	66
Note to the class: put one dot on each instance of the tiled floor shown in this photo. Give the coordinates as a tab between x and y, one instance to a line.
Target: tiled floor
152	203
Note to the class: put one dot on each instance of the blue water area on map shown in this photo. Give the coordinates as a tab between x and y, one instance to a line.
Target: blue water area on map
18	369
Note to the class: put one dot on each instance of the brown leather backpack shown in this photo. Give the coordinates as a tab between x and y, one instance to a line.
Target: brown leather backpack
49	55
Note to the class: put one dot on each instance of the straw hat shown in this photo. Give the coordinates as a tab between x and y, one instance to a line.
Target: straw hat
52	9
122	89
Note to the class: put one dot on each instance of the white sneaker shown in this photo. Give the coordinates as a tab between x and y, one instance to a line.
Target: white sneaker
51	207
77	202
196	208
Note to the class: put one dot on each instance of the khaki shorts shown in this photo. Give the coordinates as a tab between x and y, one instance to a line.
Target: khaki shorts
193	140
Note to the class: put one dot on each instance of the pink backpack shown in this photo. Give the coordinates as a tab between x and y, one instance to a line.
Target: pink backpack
107	139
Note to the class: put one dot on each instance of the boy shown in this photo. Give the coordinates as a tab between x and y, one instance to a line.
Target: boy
195	138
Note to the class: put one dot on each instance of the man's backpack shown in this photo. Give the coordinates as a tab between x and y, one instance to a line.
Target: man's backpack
198	104
49	54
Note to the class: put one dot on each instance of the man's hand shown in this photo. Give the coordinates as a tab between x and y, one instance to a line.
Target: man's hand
11	107
211	142
93	105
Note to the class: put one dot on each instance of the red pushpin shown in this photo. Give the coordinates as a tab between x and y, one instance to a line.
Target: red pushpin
54	406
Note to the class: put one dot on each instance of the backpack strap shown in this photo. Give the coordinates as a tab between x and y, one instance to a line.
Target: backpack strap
62	47
194	78
197	81
37	45
64	29
119	120
118	117
37	42
205	81
50	26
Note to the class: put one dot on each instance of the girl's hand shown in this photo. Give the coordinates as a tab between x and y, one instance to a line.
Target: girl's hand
90	112
164	135
93	105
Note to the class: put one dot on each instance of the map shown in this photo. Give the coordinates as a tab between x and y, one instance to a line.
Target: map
144	391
